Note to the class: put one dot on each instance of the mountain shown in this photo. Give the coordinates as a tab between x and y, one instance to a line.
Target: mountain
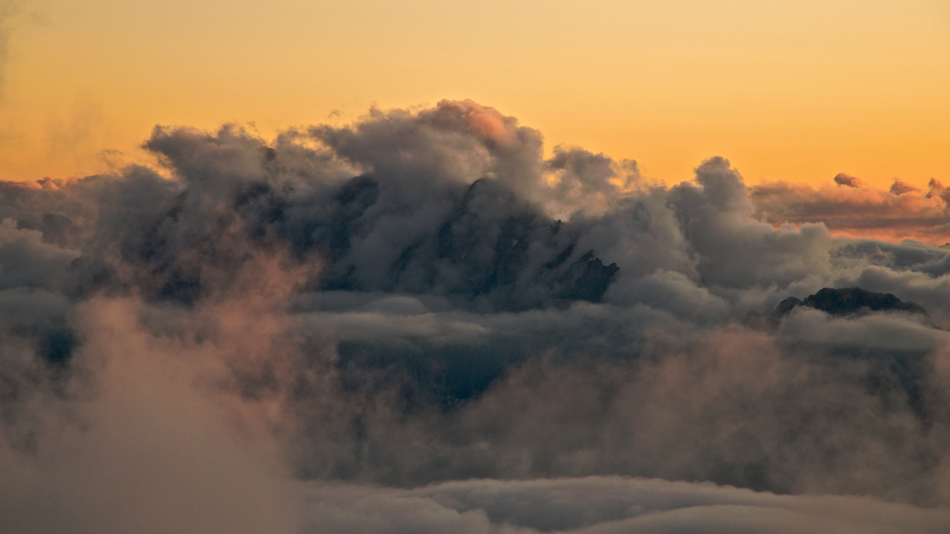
838	302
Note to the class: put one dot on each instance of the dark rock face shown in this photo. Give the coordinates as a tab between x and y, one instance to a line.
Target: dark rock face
838	302
477	242
894	375
849	301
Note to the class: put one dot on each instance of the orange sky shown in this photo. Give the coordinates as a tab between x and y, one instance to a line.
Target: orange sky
795	91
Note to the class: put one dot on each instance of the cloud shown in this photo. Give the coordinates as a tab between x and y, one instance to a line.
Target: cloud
850	181
27	262
601	505
582	181
853	208
421	298
137	447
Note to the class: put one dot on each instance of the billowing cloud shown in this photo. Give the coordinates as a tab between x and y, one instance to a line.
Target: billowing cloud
347	325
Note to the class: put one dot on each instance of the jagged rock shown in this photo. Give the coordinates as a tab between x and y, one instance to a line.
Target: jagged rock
838	302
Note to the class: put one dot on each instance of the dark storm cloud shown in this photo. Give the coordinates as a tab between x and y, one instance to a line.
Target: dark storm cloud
422	297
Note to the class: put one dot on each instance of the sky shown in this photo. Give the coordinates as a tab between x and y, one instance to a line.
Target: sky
400	268
795	92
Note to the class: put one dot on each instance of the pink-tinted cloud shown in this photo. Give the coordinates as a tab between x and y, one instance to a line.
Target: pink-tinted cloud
853	208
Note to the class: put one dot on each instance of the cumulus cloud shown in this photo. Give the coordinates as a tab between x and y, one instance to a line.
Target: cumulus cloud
349	322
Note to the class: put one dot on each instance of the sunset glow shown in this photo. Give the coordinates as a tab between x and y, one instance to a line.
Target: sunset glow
797	92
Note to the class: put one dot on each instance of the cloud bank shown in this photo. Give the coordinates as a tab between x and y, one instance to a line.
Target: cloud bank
604	505
417	323
855	209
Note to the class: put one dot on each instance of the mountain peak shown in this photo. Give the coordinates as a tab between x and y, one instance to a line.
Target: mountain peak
838	302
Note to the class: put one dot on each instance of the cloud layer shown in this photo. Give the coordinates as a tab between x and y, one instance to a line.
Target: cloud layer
321	323
853	208
604	505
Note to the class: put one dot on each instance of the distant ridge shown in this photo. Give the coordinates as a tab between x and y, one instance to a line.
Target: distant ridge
838	302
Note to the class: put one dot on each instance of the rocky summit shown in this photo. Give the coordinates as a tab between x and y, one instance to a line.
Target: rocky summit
838	302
